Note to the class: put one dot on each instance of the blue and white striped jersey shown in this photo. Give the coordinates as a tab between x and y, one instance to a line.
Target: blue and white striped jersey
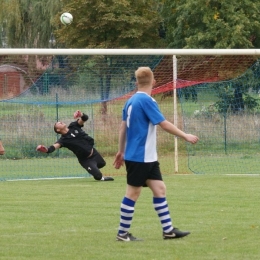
142	114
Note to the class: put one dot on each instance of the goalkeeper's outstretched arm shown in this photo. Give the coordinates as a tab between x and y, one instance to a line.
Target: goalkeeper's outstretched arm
82	118
50	149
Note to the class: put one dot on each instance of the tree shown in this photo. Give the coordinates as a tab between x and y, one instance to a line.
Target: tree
28	23
111	24
212	24
216	24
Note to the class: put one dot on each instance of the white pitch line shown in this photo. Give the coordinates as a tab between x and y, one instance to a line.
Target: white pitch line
42	179
244	174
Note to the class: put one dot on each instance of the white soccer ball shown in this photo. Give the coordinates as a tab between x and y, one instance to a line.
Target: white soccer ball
66	18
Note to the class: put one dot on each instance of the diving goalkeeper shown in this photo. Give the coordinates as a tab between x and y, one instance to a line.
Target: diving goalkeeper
80	143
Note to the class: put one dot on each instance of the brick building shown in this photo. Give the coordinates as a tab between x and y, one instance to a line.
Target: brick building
12	82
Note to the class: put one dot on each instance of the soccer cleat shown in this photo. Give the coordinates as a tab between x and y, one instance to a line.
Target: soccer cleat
175	233
127	237
108	179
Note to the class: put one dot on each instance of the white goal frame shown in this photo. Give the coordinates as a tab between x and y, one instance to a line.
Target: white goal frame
162	52
25	51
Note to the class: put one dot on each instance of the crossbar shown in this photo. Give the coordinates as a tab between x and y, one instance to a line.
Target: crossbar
32	51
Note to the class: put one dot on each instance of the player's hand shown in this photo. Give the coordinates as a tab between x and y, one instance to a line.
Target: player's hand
42	148
119	160
191	138
77	114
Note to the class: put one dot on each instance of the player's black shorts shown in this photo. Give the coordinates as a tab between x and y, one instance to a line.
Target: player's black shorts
138	173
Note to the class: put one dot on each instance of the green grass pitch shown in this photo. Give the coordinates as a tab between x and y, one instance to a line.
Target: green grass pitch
78	219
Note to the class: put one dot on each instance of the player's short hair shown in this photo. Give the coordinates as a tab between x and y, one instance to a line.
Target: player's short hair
144	76
55	128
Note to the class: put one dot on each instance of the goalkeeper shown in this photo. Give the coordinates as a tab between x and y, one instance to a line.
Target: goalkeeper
80	143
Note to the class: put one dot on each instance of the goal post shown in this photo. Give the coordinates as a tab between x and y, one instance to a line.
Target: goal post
175	112
213	93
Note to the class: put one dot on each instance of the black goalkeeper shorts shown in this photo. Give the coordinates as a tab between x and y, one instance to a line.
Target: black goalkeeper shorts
138	173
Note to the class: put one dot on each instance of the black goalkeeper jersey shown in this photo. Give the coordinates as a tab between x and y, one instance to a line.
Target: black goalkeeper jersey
76	140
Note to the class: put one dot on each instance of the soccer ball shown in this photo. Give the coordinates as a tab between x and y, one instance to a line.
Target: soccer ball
66	18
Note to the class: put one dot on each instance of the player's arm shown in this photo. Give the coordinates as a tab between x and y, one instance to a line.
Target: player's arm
122	137
50	149
2	149
119	160
82	118
172	129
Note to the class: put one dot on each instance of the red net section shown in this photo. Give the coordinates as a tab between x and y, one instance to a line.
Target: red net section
193	70
203	67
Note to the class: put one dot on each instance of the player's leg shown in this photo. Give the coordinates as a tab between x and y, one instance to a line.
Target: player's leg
156	184
135	180
100	163
127	209
98	158
91	167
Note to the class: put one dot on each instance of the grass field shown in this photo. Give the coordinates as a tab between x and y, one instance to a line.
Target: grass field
69	167
78	219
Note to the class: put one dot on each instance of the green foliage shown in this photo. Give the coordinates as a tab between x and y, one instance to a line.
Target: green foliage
251	102
212	24
111	24
226	96
131	24
238	94
97	24
27	23
228	101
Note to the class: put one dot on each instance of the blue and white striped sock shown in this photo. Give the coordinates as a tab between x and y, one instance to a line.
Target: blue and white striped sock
161	207
126	215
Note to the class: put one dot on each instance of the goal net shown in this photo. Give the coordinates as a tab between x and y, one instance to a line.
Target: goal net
216	98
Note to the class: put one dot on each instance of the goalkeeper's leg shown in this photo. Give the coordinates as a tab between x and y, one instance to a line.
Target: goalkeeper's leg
92	166
98	158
